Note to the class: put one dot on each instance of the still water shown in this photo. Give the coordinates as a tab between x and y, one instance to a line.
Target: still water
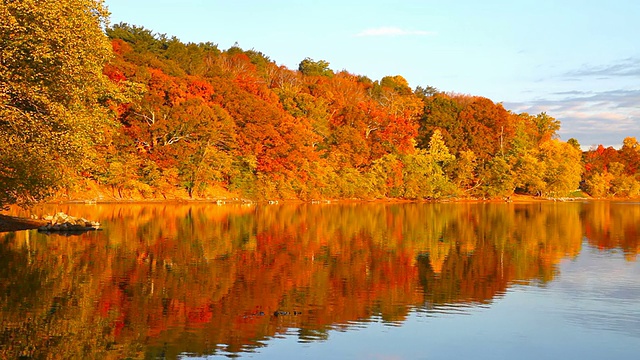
353	281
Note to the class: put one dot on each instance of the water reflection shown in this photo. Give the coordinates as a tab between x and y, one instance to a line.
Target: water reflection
168	279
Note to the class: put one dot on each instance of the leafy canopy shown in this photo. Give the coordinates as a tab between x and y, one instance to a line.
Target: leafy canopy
53	95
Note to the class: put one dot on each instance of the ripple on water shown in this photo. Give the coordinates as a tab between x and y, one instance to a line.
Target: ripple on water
603	291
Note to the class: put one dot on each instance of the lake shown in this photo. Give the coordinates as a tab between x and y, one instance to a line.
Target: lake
316	281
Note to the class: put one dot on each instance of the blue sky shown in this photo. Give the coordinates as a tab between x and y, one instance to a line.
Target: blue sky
577	60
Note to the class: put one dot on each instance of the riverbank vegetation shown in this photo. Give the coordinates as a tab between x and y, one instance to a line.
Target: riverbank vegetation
129	114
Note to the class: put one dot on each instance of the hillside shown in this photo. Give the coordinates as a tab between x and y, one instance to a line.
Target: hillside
174	120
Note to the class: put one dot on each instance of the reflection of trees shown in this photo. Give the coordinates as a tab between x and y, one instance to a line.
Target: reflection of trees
47	292
486	248
165	279
610	225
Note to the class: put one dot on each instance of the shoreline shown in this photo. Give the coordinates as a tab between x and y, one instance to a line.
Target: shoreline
10	223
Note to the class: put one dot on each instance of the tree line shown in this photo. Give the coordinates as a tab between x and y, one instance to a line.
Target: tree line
127	113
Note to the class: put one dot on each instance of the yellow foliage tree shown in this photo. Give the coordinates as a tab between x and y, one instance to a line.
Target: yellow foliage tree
53	94
562	167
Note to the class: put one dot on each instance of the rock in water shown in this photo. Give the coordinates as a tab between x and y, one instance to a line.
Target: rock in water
62	222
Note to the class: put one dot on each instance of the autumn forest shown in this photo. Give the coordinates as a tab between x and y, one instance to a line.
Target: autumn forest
117	124
130	114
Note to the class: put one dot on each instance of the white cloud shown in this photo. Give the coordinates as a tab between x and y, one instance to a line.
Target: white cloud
593	117
392	31
626	67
